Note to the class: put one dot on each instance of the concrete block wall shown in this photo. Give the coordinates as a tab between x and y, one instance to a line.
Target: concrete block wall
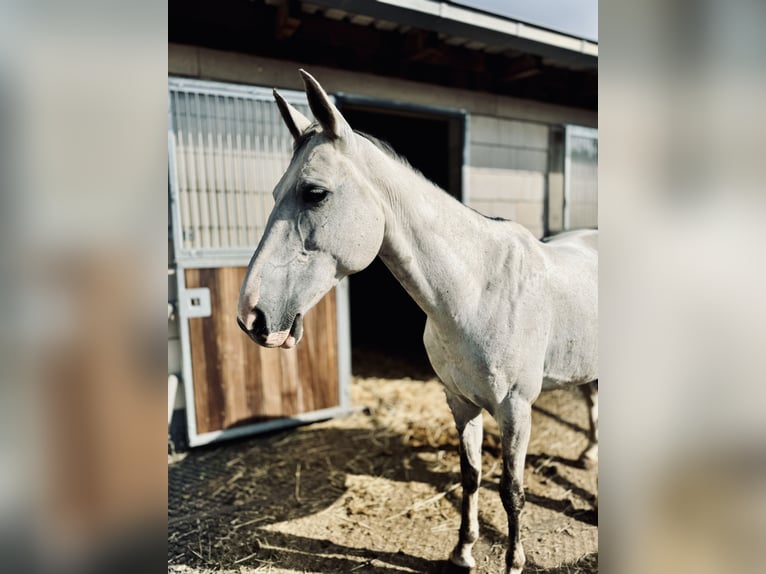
507	170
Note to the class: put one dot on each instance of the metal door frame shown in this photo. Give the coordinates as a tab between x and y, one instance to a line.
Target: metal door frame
216	258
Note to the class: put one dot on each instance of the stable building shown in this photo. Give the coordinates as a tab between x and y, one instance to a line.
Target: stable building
495	104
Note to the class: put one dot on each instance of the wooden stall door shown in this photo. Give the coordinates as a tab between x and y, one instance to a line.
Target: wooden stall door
237	382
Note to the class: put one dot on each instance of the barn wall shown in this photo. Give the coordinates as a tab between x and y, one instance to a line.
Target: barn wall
507	169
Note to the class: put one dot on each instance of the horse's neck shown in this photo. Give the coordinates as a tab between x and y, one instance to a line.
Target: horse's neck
436	247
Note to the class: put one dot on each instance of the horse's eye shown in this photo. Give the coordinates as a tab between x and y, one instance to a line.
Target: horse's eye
313	195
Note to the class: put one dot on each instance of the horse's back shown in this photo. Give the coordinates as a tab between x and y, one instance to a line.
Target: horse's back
586	238
573	252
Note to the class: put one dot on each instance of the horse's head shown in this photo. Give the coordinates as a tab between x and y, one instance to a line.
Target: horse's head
326	224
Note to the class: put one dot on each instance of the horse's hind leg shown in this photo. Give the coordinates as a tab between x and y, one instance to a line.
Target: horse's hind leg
589	457
515	420
468	420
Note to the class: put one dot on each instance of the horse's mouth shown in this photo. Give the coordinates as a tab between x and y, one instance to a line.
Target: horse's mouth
295	334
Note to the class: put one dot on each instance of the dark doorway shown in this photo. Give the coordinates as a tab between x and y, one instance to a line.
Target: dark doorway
384	319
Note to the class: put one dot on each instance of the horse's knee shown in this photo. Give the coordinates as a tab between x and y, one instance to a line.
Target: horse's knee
461	556
512	496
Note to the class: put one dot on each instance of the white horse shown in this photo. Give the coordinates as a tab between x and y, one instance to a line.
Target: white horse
508	315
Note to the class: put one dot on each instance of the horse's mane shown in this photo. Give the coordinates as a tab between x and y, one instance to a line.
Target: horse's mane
383	146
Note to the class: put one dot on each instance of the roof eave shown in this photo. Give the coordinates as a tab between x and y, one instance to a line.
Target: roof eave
461	21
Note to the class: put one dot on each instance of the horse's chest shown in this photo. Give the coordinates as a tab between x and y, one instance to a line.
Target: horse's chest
461	366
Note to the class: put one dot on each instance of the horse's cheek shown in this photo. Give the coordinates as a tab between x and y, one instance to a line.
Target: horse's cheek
313	233
364	236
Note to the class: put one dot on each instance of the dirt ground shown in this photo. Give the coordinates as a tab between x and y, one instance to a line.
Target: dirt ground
378	491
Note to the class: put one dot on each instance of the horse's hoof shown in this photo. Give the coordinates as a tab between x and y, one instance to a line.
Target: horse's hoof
462	559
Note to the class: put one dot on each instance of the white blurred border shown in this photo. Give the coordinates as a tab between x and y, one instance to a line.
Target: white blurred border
682	214
83	204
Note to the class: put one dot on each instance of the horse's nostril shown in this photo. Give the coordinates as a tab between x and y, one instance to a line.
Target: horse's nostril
259	325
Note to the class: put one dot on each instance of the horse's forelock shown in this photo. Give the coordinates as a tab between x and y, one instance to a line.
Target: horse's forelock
301	141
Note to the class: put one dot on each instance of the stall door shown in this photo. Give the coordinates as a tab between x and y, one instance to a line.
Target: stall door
228	147
236	381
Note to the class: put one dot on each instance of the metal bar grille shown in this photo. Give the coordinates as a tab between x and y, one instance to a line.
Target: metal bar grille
230	147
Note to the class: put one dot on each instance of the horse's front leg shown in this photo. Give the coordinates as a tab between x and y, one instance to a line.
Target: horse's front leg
589	457
469	427
515	420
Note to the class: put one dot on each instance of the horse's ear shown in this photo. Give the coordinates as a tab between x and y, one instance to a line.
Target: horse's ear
328	116
296	122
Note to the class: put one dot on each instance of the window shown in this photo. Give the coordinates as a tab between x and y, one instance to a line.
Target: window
580	178
572	178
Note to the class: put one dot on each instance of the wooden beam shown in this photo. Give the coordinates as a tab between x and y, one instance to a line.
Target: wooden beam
522	67
285	24
422	46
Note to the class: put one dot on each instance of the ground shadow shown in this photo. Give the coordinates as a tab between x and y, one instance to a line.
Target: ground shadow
557	418
221	498
542	464
302	554
562	506
565	507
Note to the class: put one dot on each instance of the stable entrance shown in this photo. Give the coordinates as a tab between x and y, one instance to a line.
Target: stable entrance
383	316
